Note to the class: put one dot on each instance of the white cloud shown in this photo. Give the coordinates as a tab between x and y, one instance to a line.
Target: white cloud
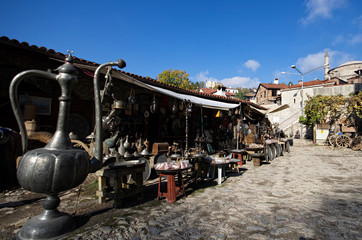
203	76
252	64
244	82
349	39
234	82
337	58
321	9
356	39
314	60
358	21
310	62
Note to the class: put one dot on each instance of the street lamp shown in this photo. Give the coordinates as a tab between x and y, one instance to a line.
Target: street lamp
302	74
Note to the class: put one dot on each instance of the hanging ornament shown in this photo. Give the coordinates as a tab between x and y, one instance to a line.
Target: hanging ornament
132	98
153	104
189	108
174	107
218	114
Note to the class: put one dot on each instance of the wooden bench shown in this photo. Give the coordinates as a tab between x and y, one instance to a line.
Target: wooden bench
122	189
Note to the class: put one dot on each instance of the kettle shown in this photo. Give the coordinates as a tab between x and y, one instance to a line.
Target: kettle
58	166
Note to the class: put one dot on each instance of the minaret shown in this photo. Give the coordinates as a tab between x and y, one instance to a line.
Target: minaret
326	65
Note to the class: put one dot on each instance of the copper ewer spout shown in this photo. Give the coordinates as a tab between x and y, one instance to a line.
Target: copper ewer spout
97	160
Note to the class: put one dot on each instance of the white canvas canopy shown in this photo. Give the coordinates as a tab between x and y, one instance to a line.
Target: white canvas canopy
206	103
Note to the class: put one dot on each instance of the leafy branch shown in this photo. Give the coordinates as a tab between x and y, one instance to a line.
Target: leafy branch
320	109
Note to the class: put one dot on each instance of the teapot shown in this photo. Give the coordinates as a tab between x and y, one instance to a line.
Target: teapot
58	166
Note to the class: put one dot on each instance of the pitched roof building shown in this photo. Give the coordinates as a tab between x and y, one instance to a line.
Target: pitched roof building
269	93
220	91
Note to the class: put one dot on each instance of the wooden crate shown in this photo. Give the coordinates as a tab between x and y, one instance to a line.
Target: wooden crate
348	129
160	147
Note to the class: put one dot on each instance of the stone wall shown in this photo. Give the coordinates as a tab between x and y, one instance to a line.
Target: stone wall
344	90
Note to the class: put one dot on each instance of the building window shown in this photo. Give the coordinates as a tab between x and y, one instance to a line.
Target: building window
294	100
265	94
274	92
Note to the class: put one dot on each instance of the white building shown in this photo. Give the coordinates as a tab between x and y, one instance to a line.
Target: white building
293	98
232	90
345	71
210	84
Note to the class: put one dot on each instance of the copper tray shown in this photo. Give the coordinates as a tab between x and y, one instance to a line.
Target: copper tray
173	171
237	150
127	164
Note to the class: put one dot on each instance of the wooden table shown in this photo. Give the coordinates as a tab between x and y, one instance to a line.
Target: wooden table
252	150
172	190
122	189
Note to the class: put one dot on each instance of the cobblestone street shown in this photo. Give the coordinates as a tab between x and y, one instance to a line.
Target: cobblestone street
314	192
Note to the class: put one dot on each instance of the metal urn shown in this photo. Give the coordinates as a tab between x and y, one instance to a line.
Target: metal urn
58	166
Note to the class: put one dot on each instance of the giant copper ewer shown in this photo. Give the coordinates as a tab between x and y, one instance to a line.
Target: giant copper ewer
58	166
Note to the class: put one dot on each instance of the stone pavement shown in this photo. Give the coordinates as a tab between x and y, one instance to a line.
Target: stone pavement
314	192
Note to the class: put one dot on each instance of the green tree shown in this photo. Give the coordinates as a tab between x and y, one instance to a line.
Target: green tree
317	108
201	85
240	94
176	78
196	86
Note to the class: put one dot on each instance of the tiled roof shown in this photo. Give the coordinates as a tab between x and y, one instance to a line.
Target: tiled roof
208	90
213	91
43	50
274	86
148	80
311	83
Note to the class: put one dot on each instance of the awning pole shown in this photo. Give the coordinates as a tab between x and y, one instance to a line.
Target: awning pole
202	121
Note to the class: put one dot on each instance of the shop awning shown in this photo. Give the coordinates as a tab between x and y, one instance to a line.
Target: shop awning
206	103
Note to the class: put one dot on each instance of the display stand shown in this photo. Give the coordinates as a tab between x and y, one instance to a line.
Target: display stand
121	188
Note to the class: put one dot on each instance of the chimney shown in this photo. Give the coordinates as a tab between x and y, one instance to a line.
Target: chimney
300	82
221	91
276	80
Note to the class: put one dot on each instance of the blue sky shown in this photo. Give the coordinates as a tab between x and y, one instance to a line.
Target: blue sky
238	43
